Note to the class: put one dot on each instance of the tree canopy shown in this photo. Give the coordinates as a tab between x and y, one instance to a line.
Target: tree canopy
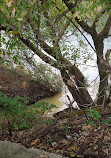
42	28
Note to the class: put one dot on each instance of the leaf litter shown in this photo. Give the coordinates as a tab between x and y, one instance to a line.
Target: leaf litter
71	138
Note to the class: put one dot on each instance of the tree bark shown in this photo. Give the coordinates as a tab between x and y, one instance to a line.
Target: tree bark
80	82
76	86
99	45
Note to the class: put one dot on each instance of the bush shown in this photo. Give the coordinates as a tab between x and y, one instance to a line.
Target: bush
20	116
46	76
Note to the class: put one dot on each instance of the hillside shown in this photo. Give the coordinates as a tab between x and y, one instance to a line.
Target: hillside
17	83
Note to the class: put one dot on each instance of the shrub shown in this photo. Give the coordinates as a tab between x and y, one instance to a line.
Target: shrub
46	76
20	116
96	118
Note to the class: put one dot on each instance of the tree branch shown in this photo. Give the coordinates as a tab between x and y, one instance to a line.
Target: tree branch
51	25
106	28
59	17
85	27
43	56
92	32
70	5
43	44
61	33
50	50
99	15
32	47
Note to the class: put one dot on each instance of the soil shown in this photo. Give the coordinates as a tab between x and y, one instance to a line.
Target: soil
71	137
17	83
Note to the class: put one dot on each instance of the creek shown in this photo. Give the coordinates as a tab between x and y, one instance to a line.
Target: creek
61	100
89	70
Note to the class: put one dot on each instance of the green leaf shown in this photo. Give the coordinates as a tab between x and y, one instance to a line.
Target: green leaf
8	27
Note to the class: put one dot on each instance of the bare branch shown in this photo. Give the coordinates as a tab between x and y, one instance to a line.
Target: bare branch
34	27
61	32
51	25
78	30
92	33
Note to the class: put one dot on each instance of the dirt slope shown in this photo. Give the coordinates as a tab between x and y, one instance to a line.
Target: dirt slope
16	83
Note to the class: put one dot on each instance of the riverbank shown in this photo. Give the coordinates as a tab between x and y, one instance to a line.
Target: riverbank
17	83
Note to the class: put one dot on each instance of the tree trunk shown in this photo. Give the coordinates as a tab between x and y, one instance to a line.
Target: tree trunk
80	82
101	98
76	86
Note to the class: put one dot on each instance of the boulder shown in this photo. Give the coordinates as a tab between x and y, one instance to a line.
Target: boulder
12	150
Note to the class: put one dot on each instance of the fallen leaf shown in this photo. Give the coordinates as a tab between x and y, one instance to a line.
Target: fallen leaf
85	128
68	136
65	142
54	144
96	139
20	19
89	127
74	147
43	156
106	138
73	155
36	141
105	150
95	147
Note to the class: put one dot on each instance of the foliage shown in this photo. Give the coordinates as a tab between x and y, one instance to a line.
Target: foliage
49	121
20	116
15	111
46	76
65	128
43	107
96	118
94	114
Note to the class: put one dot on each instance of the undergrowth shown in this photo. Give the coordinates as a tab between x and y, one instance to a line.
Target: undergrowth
16	114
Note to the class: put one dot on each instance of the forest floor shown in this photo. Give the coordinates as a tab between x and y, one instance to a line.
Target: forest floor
70	137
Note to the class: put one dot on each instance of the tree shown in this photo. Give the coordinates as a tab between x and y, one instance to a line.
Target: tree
98	39
40	26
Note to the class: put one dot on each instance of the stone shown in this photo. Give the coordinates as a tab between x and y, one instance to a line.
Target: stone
13	150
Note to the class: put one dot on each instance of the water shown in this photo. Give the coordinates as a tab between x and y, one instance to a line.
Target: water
90	71
60	100
56	100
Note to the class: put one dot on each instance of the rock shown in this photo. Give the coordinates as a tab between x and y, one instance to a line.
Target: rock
12	150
